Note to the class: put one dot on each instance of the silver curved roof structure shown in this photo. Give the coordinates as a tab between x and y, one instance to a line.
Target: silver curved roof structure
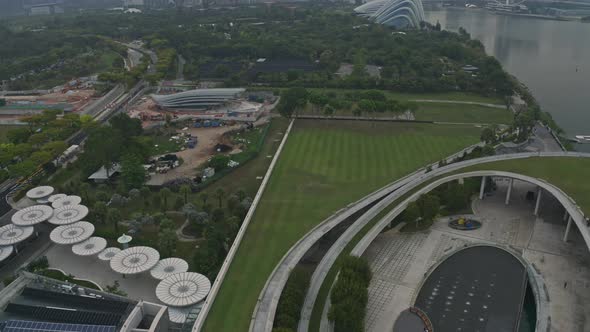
135	260
397	13
183	289
108	253
90	247
40	192
72	233
197	99
68	214
5	252
167	267
32	215
67	200
12	234
55	197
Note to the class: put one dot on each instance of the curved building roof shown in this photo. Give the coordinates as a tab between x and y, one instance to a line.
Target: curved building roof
397	13
197	99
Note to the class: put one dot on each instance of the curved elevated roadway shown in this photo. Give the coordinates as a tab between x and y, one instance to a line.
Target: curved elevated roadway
329	259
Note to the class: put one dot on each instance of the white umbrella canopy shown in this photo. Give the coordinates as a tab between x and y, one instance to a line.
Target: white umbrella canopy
124	239
183	289
135	260
40	192
67	200
5	252
108	253
11	234
55	197
32	215
68	214
72	233
90	247
167	267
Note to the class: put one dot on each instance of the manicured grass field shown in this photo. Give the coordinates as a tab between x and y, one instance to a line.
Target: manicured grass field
324	166
463	113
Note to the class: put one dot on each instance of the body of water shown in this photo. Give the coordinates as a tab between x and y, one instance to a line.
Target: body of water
551	57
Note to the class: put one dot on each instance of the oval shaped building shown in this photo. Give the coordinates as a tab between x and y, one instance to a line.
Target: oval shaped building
400	14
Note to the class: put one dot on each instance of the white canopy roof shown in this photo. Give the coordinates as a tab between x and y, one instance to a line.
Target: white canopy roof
124	239
40	192
135	260
183	289
72	233
90	247
67	200
11	234
32	215
5	252
68	214
167	267
108	253
55	197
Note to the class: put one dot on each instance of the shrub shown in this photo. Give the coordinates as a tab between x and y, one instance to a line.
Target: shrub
291	301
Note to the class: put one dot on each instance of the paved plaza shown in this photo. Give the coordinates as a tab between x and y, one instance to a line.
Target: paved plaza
400	261
137	287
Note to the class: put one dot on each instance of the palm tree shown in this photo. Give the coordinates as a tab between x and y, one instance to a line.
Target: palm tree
165	193
204	197
185	190
114	217
84	187
220	193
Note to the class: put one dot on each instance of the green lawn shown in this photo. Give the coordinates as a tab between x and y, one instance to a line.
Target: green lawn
324	166
464	113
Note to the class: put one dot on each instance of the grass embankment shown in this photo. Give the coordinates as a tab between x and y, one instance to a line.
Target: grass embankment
324	166
463	113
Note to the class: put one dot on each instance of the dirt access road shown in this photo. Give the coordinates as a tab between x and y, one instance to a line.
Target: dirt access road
207	138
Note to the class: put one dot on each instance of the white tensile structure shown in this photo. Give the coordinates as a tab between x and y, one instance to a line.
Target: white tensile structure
397	13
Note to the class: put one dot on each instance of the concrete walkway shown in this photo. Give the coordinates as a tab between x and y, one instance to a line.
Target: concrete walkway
445	101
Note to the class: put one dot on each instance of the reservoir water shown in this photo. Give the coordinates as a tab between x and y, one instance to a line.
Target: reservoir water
551	57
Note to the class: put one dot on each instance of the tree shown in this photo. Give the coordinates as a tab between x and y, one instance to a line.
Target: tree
145	194
329	110
219	162
220	194
167	242
100	211
429	205
185	190
164	195
318	100
292	99
412	213
241	193
125	125
204	196
488	135
114	217
132	171
367	106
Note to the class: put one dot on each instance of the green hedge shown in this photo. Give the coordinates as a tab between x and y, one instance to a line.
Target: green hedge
291	301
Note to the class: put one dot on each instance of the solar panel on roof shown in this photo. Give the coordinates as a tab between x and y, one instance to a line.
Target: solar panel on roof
28	326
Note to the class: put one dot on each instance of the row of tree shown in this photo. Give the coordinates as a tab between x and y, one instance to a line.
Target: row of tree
349	296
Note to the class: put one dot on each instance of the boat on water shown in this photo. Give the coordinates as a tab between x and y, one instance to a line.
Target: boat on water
583	138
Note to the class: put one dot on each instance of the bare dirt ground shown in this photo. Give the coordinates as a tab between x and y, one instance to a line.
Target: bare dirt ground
207	138
77	98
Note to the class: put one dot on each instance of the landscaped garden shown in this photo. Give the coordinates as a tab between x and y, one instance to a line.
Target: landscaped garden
324	166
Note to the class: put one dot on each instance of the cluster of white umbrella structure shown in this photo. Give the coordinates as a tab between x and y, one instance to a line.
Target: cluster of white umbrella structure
177	288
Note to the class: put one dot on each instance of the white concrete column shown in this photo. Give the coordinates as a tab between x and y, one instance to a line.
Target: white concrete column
567	229
461	181
539	194
509	191
483	186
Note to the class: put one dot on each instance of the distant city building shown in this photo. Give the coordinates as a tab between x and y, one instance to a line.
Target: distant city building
400	14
